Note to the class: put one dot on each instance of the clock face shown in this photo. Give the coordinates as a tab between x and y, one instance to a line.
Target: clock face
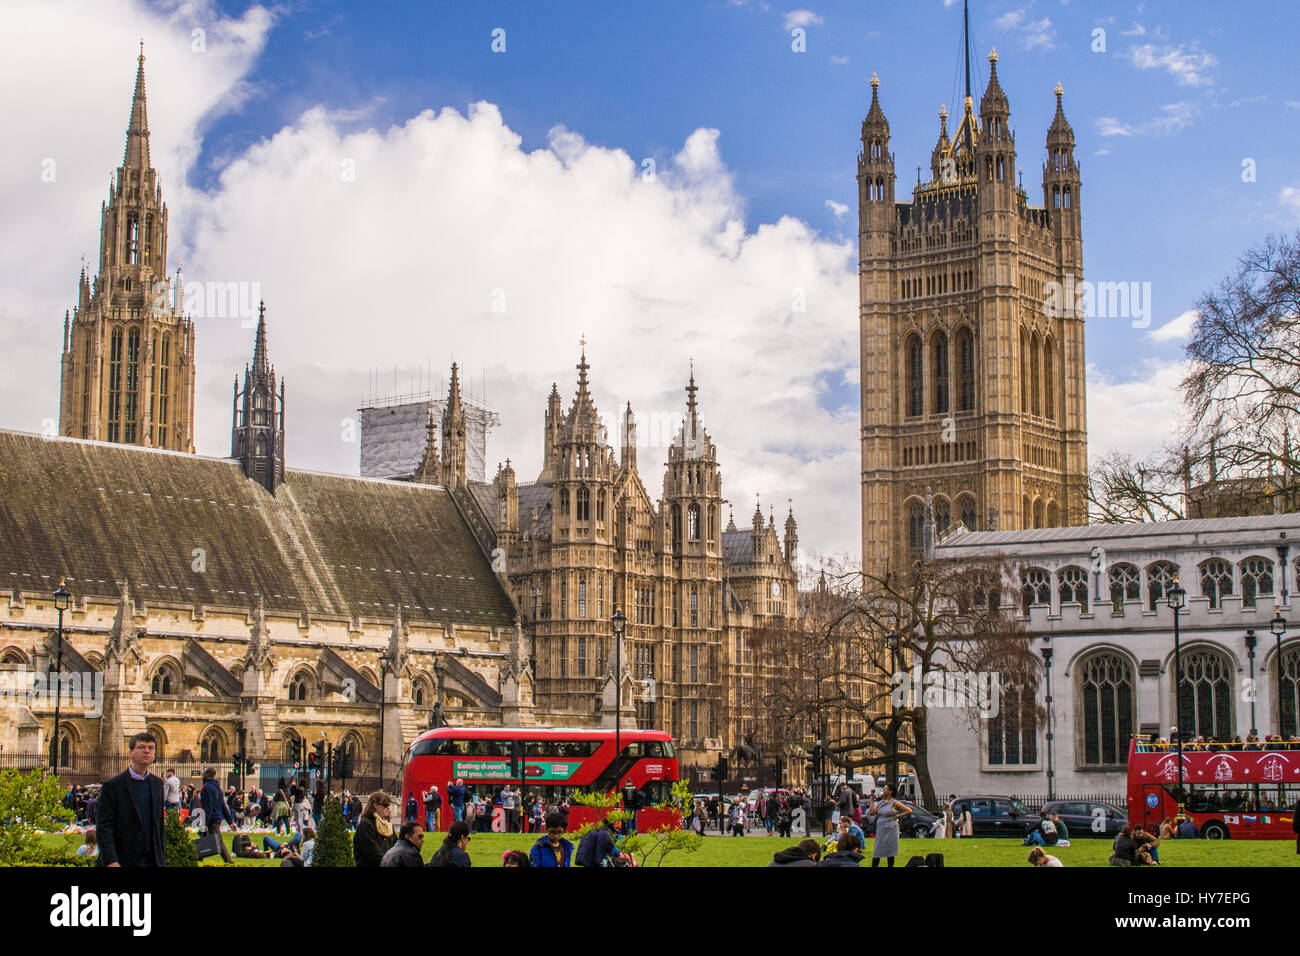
776	589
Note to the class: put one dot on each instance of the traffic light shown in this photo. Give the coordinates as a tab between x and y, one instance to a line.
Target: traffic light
317	759
248	766
722	768
295	750
343	763
237	764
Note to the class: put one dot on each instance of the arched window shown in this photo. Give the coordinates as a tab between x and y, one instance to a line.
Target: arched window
695	607
286	745
600	507
1049	380
1029	514
939	352
1073	588
298	686
1205	698
942	515
966	506
1024	375
1256	579
1013	731
677	529
1035	589
693	522
12	655
131	252
1035	376
584	504
160	741
1125	585
1161	576
166	680
915	377
713	523
564	599
582	597
65	747
1289	686
564	502
1216	580
1106	691
210	747
1038	512
1053	515
115	340
965	370
916	526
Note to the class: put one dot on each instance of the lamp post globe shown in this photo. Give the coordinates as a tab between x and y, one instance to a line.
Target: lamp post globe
1278	627
1176	598
62	598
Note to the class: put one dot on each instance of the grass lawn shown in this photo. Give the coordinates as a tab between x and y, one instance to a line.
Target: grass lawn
485	849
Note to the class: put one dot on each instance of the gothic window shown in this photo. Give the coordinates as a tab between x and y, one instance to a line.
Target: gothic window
1038	512
677	529
713	523
286	745
915	376
1106	689
115	384
710	608
1056	197
298	687
940	353
1125	585
1066	197
564	599
1160	578
1029	514
131	388
564	502
916	526
942	515
1049	380
164	379
1290	688
600	599
966	506
1035	376
582	657
1036	588
693	523
418	693
1216	580
1024	375
1053	515
695	607
582	597
165	681
1256	579
260	446
695	664
1205	698
210	747
584	504
564	657
965	370
132	250
1013	732
1074	587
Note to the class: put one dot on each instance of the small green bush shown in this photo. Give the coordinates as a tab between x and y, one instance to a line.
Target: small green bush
178	848
333	841
29	802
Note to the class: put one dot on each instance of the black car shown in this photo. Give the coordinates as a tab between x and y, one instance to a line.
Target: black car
918	822
997	816
1085	818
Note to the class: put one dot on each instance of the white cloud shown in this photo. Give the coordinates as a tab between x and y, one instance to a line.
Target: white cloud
1174	116
401	266
1176	329
1110	126
839	60
1293	104
1009	20
1188	68
1033	34
1290	198
801	18
838	208
1138	30
1150	396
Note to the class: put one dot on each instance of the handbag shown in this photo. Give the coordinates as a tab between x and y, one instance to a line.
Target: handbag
207	845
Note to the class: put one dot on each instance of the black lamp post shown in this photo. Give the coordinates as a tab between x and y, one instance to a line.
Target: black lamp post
1250	653
1051	756
891	769
61	598
385	662
616	622
1176	598
1278	626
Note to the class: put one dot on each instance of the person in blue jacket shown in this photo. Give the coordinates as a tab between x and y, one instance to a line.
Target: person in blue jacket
552	849
215	809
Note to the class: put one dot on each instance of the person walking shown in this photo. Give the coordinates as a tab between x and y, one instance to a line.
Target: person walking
171	791
412	809
455	847
406	851
301	809
129	814
318	803
280	813
374	836
456	796
552	849
887	812
215	810
432	804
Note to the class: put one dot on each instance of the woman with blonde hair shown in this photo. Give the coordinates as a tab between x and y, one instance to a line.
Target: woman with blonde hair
374	836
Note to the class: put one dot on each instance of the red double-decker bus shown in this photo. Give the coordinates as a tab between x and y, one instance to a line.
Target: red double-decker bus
552	763
1228	791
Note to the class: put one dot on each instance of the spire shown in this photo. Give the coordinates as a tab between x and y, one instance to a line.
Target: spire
875	121
136	154
965	42
757	523
629	438
427	472
178	305
582	368
1060	133
453	434
259	639
731	518
994	101
261	359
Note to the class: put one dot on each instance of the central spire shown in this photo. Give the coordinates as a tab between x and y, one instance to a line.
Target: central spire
136	154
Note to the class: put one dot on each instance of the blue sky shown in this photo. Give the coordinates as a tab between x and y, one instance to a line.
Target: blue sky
520	175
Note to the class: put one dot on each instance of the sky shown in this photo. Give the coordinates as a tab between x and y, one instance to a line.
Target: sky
411	184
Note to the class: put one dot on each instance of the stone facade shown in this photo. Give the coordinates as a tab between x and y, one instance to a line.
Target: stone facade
972	389
1095	598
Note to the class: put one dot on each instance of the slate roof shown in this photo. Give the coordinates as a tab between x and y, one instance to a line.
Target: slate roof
537	496
101	513
737	546
984	539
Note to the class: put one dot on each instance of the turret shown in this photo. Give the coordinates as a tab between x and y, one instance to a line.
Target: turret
875	171
995	154
1061	187
628	457
257	428
791	537
453	434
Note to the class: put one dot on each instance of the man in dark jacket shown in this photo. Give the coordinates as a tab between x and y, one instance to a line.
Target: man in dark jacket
215	809
846	853
456	797
432	804
803	853
406	851
129	817
596	845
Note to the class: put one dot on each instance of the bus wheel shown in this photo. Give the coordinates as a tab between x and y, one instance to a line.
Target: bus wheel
1215	831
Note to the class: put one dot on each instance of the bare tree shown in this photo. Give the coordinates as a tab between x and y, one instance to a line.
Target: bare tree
1123	488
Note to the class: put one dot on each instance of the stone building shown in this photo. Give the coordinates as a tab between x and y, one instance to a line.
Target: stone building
127	371
972	379
1094	600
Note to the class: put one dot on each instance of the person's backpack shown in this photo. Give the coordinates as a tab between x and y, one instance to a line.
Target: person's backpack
918	861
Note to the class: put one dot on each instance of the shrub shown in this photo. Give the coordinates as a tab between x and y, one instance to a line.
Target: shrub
333	841
178	848
29	803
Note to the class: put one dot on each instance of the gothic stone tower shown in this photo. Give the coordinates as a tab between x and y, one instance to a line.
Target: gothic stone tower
128	350
257	418
972	383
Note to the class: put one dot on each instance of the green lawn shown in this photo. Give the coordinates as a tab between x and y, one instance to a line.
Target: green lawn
485	849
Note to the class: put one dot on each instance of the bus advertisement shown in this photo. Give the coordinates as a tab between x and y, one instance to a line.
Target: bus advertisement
551	763
1230	792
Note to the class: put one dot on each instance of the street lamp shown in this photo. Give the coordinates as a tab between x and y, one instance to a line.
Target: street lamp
1278	626
1250	653
1051	760
385	662
61	600
891	770
616	622
1176	598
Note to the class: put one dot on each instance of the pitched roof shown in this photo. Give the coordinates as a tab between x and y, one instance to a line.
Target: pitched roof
1146	529
194	530
737	547
536	495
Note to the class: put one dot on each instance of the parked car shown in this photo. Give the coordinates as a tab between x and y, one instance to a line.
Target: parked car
918	822
1079	817
997	816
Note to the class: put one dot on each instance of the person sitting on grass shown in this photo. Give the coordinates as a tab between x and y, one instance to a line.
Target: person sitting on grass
847	852
1045	834
1145	853
552	849
1040	857
803	853
514	858
242	846
455	847
1187	829
91	845
847	825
